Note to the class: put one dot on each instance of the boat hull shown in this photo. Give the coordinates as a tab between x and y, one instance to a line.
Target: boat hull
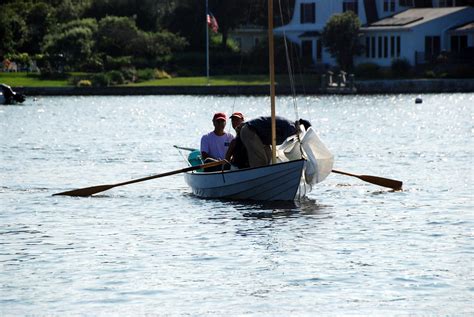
272	182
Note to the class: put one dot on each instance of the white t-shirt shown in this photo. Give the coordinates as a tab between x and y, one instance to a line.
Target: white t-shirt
216	146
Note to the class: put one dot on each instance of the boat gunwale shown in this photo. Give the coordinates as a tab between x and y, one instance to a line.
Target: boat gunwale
240	170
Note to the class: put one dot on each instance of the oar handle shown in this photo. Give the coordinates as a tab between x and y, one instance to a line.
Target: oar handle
184	170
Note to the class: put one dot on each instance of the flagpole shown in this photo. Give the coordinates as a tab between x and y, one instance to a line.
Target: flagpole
207	44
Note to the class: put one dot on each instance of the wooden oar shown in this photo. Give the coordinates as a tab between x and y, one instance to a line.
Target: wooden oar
88	191
384	182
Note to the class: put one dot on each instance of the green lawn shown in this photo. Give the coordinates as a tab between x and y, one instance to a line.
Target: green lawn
202	81
22	79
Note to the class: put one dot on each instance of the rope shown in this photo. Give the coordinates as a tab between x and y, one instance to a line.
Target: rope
289	66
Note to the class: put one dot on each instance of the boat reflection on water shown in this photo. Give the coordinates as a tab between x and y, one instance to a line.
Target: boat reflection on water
277	209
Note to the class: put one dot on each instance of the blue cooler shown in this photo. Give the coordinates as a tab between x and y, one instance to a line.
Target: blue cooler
194	158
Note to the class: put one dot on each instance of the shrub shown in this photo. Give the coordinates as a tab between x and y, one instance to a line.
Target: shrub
146	74
161	74
115	63
50	74
84	83
100	80
400	67
130	74
461	71
116	77
430	74
367	70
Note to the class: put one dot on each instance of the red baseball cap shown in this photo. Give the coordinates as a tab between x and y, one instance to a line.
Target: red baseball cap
238	115
219	116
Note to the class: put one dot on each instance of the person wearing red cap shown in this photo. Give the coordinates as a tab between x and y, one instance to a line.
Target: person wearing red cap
236	118
237	153
214	144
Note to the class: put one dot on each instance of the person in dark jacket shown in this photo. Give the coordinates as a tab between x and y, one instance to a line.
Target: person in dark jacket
256	135
237	153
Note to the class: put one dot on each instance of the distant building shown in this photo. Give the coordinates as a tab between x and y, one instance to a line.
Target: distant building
415	30
248	36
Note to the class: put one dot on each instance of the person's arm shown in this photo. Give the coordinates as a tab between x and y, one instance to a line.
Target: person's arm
230	150
204	148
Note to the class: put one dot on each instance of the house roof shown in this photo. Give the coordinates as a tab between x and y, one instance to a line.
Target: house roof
467	28
411	17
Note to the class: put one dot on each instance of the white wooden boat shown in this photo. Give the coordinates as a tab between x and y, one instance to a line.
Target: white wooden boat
273	182
289	179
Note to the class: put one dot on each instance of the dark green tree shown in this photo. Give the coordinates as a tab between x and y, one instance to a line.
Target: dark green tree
13	30
39	20
115	35
341	38
72	43
119	36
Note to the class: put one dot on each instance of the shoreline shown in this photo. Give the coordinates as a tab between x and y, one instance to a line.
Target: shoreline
397	86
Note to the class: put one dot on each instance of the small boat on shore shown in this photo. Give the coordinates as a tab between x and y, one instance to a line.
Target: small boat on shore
10	97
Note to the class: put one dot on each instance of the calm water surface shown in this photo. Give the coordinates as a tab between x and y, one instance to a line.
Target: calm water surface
350	248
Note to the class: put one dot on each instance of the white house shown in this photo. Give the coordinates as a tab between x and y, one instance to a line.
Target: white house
391	28
249	36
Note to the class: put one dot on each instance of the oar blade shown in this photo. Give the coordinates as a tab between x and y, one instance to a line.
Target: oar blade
85	192
381	181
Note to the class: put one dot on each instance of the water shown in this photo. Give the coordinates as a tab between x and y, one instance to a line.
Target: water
350	248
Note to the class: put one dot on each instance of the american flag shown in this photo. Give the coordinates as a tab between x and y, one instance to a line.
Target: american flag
212	22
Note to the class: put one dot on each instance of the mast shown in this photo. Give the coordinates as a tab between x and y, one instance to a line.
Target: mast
207	43
272	76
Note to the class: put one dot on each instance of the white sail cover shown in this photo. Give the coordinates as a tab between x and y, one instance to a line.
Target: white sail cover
319	159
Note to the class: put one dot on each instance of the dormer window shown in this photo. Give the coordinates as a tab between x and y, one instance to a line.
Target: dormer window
388	5
350	5
406	3
447	3
308	13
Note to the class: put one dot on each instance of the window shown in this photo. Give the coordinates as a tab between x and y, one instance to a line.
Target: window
367	47
458	43
239	41
388	5
406	3
398	46
385	47
350	5
372	47
392	46
432	46
308	13
380	47
319	50
307	49
446	3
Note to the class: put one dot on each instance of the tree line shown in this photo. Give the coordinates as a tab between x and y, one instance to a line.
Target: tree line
101	35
